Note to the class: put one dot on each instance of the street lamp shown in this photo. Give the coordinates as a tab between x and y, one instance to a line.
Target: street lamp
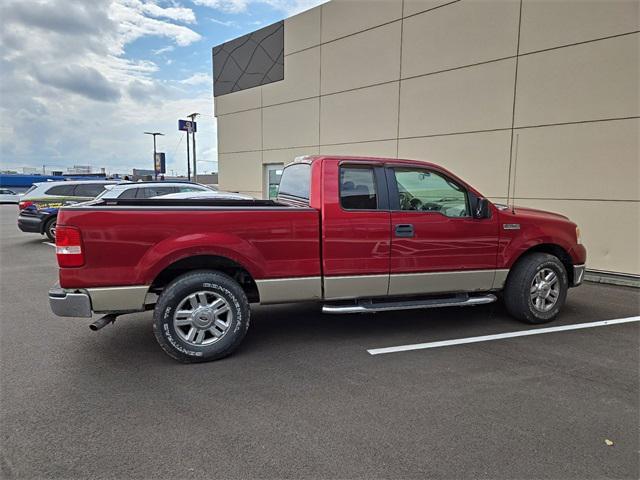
193	138
154	151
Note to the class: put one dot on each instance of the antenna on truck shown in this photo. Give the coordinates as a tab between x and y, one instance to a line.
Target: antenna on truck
515	171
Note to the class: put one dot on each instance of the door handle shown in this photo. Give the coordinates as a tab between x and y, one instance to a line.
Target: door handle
404	230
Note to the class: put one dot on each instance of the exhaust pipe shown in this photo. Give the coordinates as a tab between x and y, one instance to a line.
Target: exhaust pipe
103	322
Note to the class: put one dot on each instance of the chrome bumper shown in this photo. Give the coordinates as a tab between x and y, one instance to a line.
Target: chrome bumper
578	275
81	303
69	304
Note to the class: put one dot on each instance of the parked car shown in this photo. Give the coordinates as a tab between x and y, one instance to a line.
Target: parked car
357	234
212	194
143	190
8	196
56	194
39	220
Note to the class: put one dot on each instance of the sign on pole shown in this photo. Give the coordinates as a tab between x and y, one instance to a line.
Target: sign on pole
187	126
160	163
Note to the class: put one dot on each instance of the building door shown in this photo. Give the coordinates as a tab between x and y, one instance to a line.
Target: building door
272	174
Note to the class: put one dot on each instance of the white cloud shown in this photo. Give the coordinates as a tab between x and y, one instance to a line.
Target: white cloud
289	7
73	97
229	6
229	23
198	79
167	49
179	14
133	23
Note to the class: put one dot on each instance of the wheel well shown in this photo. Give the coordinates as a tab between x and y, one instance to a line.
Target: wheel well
558	252
208	262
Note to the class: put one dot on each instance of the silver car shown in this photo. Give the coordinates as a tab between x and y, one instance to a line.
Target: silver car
8	196
141	190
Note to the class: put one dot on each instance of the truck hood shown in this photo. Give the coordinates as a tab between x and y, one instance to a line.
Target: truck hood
530	212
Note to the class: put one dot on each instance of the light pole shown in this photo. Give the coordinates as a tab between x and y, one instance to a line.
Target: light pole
193	138
155	172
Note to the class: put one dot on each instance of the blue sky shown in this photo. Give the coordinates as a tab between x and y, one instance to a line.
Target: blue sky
80	80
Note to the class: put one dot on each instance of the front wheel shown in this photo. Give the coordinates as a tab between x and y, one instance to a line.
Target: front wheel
536	288
201	316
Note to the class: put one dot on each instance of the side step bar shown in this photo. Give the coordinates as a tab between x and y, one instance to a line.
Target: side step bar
368	306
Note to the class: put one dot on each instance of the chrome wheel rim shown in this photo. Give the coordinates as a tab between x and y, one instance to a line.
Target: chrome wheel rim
545	290
202	318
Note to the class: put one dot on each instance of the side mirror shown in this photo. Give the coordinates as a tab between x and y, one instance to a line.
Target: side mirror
481	209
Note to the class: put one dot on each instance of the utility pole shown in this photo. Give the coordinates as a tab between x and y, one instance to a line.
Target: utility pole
188	159
154	151
193	138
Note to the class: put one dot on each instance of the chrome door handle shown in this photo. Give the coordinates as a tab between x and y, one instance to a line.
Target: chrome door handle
404	230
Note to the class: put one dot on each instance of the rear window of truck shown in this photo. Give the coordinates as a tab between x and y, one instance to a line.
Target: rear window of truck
296	181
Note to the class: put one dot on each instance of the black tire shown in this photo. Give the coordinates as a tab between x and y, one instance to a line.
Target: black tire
219	284
50	229
517	292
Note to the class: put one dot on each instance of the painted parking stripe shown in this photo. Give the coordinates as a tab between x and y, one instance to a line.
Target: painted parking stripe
49	243
499	336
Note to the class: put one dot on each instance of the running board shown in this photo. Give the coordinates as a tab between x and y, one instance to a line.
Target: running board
368	306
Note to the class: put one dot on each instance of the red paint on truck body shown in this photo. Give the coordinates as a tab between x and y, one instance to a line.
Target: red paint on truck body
131	246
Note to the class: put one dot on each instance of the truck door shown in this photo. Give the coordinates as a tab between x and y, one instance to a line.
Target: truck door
356	228
437	246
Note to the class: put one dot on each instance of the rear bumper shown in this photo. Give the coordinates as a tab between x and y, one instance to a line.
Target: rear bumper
578	275
84	302
30	224
69	304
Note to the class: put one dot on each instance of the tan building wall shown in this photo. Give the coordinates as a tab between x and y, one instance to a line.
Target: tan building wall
537	97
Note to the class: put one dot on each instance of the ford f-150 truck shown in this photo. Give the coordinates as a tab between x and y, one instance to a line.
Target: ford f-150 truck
357	234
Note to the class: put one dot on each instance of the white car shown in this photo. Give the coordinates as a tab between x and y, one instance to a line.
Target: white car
8	196
57	194
211	194
141	190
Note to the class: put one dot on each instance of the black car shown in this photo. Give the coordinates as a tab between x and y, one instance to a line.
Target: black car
42	221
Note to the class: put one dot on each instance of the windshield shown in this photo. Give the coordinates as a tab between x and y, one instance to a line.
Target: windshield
107	188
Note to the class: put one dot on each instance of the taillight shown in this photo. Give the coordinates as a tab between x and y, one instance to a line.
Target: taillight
24	204
69	247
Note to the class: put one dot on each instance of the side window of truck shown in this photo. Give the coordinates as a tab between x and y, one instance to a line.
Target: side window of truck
358	188
429	191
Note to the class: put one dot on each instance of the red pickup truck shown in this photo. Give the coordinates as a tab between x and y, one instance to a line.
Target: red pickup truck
357	234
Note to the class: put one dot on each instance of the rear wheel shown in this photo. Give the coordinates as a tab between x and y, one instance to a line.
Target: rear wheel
50	229
201	316
536	288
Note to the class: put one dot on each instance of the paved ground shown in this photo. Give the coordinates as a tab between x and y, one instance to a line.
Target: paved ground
302	398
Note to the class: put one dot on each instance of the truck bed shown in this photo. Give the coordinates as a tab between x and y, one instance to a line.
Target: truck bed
130	242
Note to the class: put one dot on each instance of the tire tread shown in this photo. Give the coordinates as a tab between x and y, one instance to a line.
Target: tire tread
195	277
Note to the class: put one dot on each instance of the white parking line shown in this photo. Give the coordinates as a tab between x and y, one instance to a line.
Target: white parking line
49	243
498	336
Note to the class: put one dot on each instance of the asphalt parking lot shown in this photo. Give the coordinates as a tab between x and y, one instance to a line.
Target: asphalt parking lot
302	398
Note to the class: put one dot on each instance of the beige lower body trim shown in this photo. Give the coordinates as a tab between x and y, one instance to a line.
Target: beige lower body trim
441	282
500	279
356	286
283	290
116	299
